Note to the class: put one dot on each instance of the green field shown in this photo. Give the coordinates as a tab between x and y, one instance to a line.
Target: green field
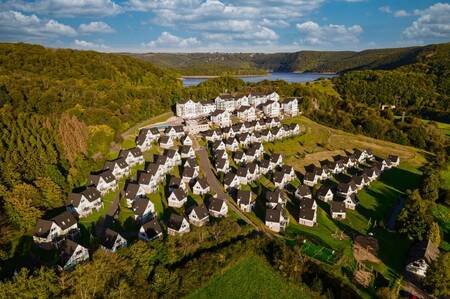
251	277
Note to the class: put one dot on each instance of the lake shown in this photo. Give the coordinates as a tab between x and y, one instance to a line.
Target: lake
288	77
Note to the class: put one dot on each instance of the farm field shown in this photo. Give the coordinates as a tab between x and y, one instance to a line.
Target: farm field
250	278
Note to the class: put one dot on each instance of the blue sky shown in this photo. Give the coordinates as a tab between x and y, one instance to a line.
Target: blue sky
224	26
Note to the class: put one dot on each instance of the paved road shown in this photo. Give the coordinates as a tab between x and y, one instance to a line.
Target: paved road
215	185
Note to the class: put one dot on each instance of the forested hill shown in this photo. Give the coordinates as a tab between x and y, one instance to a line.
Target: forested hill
303	61
60	110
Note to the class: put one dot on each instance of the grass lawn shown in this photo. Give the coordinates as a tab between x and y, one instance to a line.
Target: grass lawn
251	277
319	142
442	215
133	131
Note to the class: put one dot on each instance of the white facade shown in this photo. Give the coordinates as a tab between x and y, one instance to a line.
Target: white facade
191	109
221	118
291	107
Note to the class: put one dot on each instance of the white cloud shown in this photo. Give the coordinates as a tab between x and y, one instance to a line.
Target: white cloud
14	24
85	45
398	13
314	34
95	27
66	8
252	21
169	41
385	9
433	22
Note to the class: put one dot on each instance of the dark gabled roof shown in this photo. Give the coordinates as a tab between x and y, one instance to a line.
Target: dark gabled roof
423	250
207	133
278	177
238	155
358	179
119	162
190	162
219	153
242	171
202	182
345	187
183	139
188	172
274	158
152	228
67	248
131	190
152	168
303	190
353	198
337	207
286	169
357	153
135	151
323	190
185	149
42	228
306	209
106	175
217	143
168	129
393	158
242	137
310	176
220	163
170	153
252	167
215	204
217	112
109	238
175	221
164	139
251	152
179	129
244	197
201	211
273	196
230	141
273	215
140	205
310	168
264	163
64	220
175	182
229	177
91	194
144	177
244	108
141	136
179	194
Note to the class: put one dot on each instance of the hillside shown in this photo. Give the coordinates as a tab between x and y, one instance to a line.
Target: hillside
53	105
303	61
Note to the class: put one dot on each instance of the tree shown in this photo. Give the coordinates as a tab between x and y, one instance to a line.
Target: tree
437	280
414	219
434	234
42	284
431	183
21	206
51	193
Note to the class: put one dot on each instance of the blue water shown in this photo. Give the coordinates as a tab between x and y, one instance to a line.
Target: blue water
288	77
